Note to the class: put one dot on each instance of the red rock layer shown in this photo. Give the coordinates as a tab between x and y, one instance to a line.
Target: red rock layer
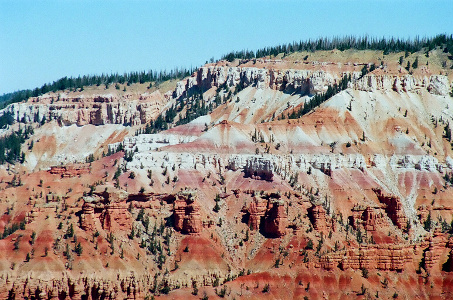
109	209
272	212
187	213
394	208
69	171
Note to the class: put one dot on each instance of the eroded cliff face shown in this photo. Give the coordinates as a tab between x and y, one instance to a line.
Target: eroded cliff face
137	109
355	192
267	215
187	215
304	81
92	109
434	84
109	210
267	92
68	287
264	232
309	81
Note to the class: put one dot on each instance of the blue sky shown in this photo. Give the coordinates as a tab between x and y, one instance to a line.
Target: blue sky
41	41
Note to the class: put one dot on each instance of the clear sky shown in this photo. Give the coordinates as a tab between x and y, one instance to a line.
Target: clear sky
42	41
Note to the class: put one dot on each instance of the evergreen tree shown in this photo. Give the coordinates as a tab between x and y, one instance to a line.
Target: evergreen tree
78	249
428	223
408	65
447	132
415	64
70	232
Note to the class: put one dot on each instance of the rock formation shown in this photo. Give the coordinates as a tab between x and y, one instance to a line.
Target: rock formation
371	219
256	210
77	289
387	131
436	247
259	168
393	208
318	216
380	257
97	110
436	84
269	215
109	209
276	220
305	81
187	215
69	171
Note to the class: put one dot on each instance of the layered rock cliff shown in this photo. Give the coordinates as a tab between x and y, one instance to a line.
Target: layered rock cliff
126	109
109	210
187	215
355	192
308	81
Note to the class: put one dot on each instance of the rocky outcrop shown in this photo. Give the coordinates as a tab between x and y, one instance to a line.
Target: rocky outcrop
419	162
371	219
255	76
108	210
259	168
146	142
381	257
276	219
72	288
186	212
268	215
69	171
88	217
394	208
257	210
303	81
115	215
96	110
318	218
437	245
439	85
435	84
422	213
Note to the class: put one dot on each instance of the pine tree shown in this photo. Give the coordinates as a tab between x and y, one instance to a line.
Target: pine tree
70	231
408	65
447	132
428	223
415	64
216	207
33	237
78	249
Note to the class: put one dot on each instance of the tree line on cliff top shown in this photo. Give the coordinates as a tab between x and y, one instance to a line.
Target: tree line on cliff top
387	45
91	80
341	43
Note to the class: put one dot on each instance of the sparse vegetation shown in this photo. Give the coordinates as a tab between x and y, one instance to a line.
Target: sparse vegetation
8	230
320	98
350	42
251	217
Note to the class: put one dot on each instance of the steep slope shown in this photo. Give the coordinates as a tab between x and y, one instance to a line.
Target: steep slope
351	199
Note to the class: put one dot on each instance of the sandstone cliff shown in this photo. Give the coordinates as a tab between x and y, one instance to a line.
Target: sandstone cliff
97	109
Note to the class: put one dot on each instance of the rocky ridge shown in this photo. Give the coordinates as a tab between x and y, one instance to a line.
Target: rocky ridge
140	109
354	193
